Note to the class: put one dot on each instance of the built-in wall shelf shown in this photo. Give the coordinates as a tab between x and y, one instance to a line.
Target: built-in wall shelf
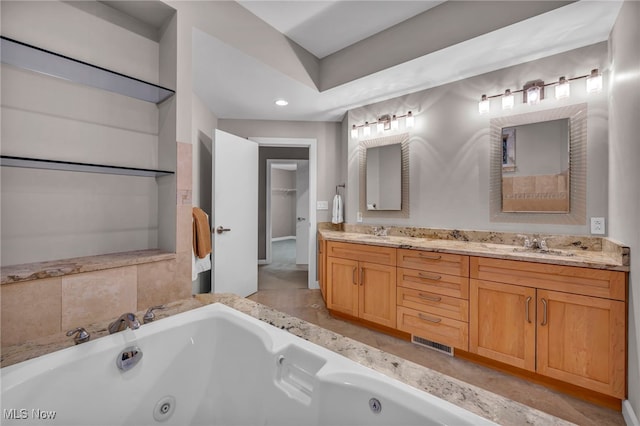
33	58
70	166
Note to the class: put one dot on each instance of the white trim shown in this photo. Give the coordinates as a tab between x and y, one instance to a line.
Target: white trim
290	237
310	143
262	262
630	418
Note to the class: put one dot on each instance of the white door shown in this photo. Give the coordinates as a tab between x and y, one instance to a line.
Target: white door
235	215
302	212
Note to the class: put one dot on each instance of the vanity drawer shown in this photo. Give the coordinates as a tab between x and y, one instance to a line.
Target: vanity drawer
446	285
443	263
568	279
433	303
362	252
433	327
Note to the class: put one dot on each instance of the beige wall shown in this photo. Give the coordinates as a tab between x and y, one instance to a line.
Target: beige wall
449	145
624	173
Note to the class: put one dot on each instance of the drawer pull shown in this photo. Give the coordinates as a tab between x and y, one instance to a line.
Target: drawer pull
429	298
430	256
429	276
354	276
361	276
544	312
430	319
526	309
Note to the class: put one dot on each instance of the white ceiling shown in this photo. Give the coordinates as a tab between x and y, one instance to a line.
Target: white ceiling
324	27
235	85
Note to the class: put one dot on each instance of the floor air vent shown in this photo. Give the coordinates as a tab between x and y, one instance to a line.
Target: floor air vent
432	345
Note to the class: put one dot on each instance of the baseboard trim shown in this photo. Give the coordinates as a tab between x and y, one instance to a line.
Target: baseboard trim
630	417
263	262
290	237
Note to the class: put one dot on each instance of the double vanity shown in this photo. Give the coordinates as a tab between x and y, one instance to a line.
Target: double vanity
556	316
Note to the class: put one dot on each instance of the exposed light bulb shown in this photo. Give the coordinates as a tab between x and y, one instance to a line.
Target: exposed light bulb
366	131
563	90
594	82
354	132
483	105
410	120
507	100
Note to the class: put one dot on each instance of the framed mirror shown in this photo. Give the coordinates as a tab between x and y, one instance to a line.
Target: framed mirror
383	181
384	177
538	166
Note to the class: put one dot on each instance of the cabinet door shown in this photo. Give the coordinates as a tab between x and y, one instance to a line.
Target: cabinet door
502	323
377	294
581	340
342	285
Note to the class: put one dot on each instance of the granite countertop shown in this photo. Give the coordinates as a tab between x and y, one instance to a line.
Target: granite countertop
590	253
479	401
56	268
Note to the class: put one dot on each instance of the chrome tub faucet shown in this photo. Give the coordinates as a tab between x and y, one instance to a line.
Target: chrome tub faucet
125	320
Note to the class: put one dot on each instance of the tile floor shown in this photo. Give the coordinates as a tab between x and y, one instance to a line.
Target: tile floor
287	292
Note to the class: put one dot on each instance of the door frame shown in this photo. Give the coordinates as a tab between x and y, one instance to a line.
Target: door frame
311	144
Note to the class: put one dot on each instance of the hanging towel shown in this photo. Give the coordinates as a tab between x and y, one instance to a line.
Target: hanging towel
199	265
337	210
201	233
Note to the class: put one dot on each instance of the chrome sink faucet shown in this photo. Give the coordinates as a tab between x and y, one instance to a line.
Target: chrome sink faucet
125	320
535	244
380	231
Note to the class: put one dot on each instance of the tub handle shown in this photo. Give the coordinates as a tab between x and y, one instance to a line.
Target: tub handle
149	316
80	335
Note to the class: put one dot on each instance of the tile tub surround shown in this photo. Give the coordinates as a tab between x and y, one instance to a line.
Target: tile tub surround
584	251
476	400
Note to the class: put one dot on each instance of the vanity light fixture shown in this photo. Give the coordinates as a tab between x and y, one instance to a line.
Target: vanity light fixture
382	124
366	131
409	121
563	89
484	105
594	81
533	91
508	100
394	122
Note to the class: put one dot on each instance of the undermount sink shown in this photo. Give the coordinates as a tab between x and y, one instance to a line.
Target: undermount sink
541	251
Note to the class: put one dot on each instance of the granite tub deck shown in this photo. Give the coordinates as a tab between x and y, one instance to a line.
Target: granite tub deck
484	403
589	252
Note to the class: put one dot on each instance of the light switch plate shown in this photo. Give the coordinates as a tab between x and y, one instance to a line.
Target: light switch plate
322	205
597	225
359	217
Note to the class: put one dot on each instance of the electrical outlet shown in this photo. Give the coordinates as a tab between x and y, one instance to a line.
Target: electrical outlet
597	225
322	205
359	217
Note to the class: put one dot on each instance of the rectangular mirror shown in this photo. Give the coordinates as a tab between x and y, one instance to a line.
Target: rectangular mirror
538	167
384	177
535	167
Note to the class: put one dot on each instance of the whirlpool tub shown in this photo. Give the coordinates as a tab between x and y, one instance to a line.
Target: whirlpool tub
212	366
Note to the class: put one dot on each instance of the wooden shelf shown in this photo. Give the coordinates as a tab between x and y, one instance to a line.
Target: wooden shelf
38	163
33	58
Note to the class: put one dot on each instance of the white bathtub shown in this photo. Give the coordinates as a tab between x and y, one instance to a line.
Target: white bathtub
212	366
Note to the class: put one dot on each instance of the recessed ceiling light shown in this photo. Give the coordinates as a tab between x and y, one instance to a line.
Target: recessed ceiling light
282	102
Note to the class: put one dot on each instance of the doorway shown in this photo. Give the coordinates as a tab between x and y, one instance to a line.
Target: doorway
308	148
287	227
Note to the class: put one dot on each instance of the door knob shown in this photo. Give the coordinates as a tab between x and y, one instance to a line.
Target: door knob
221	229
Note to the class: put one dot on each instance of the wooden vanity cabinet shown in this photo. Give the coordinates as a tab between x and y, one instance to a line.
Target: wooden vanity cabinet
433	296
546	319
322	265
361	282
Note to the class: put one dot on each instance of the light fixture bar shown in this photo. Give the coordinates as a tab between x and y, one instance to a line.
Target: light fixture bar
382	124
